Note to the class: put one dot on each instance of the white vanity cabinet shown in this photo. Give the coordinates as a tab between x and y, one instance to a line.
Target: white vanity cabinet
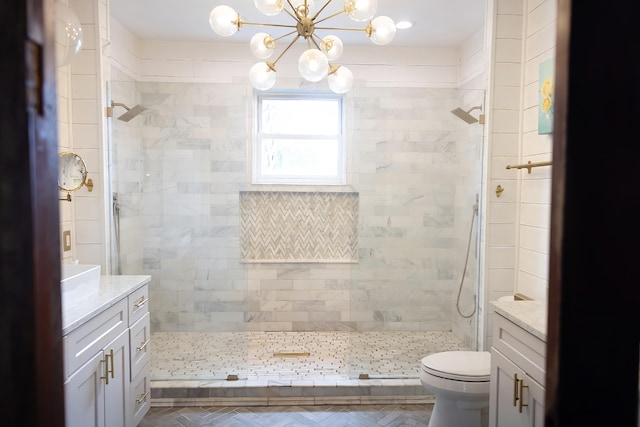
106	354
518	365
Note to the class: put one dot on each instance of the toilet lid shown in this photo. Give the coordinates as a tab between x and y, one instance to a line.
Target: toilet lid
459	365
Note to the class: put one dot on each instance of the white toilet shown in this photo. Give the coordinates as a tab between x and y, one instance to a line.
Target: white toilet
460	382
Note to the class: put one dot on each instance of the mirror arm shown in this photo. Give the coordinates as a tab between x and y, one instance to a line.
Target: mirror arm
67	199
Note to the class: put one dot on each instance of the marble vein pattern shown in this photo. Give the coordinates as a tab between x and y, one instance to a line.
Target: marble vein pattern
179	169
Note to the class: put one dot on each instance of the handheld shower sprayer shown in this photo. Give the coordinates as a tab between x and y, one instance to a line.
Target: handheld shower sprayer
466	263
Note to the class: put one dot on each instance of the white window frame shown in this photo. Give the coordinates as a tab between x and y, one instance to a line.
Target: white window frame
257	176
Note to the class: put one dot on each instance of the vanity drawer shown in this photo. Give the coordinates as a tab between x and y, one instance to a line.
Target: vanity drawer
138	304
141	394
88	339
520	346
140	337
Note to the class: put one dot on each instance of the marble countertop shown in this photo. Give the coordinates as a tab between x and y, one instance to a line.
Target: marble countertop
112	289
529	315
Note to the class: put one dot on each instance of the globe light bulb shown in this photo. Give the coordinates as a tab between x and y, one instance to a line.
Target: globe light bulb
332	46
262	45
269	7
361	10
262	76
224	20
340	80
68	35
313	65
383	30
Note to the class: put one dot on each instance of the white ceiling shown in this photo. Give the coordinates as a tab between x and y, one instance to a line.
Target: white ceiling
437	23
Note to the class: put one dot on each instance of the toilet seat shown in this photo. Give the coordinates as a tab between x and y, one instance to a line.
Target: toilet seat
468	366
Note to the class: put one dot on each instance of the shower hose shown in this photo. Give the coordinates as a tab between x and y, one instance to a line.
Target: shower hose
116	226
464	270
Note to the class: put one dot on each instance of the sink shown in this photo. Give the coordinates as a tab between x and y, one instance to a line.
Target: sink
79	281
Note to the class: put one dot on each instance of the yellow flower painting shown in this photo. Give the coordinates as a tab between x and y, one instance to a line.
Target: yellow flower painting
545	97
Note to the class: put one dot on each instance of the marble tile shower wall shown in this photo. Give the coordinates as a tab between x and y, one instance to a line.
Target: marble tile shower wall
404	167
195	161
402	160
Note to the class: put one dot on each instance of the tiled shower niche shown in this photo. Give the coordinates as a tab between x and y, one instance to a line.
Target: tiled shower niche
279	226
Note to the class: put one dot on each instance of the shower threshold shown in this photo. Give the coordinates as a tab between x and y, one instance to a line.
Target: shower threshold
338	367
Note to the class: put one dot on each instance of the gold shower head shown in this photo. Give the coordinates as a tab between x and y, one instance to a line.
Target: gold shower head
464	115
129	114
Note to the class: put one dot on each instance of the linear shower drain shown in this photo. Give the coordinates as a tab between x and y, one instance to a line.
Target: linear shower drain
291	354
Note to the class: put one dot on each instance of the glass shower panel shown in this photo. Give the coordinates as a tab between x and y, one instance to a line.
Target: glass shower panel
176	171
418	170
468	288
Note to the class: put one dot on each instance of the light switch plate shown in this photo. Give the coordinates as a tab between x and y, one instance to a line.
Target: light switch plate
66	240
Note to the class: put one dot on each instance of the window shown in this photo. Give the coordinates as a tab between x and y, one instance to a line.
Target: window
299	138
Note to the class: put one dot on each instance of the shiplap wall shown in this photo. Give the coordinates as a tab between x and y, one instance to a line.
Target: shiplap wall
80	131
518	220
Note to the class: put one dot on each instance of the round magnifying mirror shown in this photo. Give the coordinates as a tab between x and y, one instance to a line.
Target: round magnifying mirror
72	173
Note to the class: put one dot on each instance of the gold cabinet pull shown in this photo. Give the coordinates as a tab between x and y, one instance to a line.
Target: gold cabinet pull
521	396
106	369
142	398
515	389
143	345
112	370
142	302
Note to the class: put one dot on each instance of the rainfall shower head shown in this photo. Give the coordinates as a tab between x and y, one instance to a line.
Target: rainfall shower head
464	115
129	114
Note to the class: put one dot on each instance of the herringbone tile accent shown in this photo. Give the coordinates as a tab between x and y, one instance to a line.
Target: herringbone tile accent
303	416
278	226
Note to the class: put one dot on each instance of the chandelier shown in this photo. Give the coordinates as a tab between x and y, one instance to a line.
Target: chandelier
316	62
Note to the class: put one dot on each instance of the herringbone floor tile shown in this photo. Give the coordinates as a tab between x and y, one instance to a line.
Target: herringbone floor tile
290	416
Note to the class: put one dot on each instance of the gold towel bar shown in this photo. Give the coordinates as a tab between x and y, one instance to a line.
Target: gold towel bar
529	165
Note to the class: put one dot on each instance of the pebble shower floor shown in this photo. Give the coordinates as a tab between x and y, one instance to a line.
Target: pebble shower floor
332	356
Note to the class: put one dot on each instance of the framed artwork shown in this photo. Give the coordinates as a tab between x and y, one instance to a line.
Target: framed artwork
546	97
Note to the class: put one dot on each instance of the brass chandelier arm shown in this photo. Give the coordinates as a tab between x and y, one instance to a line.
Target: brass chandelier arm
284	36
291	5
313	40
341	29
273	64
292	15
321	9
261	24
328	17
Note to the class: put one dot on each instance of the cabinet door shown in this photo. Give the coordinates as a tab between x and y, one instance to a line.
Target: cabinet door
84	394
117	402
504	409
534	395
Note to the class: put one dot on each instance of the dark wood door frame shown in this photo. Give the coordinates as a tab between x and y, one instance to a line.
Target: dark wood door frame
31	389
594	310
